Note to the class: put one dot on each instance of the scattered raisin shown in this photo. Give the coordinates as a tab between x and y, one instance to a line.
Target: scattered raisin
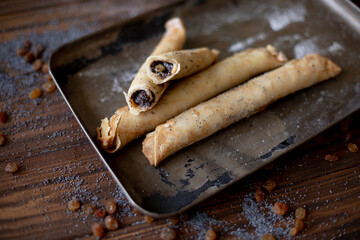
89	208
111	207
174	220
74	204
331	158
299	224
280	208
168	233
37	64
352	147
21	52
3	117
97	230
100	213
111	223
48	77
300	213
210	235
259	195
48	87
35	93
29	57
268	237
27	44
2	139
45	68
11	167
293	232
148	219
269	185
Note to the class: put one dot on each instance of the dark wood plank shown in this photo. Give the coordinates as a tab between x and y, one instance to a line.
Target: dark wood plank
57	163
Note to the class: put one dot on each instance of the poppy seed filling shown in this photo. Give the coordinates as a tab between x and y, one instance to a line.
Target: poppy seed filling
142	99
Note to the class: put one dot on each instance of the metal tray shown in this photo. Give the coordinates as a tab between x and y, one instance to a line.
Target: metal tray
92	72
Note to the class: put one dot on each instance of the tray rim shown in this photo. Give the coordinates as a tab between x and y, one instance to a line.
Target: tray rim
347	5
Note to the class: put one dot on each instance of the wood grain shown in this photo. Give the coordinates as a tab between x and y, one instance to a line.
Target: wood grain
57	163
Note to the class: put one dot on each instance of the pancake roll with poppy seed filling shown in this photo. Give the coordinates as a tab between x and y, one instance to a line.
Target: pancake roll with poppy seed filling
123	127
178	64
143	93
240	102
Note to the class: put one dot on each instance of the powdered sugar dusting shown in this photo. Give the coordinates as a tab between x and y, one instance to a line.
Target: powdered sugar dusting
247	42
263	220
224	16
336	48
305	47
127	77
279	19
116	86
288	40
201	222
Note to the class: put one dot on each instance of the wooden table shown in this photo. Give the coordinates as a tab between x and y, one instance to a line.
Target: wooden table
57	163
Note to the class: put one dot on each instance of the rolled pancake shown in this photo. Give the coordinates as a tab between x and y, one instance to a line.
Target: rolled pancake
178	64
124	127
143	93
229	107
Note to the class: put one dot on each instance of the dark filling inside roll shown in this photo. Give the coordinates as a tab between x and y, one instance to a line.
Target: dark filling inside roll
162	69
142	99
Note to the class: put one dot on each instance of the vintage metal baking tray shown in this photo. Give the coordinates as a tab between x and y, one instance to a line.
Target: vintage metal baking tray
92	73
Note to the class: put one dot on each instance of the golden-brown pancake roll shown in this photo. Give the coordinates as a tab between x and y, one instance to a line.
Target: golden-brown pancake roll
143	93
229	107
123	127
178	64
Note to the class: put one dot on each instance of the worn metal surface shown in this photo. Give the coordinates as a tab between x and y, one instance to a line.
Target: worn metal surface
93	71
